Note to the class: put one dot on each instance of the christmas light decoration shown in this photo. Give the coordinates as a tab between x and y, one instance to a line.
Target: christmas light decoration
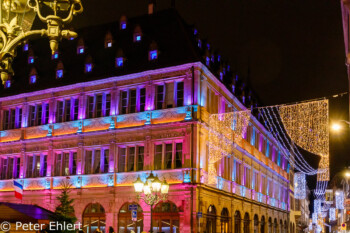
299	186
314	218
224	131
339	200
332	214
317	206
307	124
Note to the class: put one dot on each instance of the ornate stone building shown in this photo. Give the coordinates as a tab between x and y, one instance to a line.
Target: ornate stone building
127	98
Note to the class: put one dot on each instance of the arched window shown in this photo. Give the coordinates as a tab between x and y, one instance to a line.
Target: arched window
211	219
285	228
59	70
80	46
270	225
281	226
108	40
119	59
237	222
33	76
123	22
153	51
256	224
137	34
166	218
275	226
224	221
88	64
262	224
94	218
125	223
246	223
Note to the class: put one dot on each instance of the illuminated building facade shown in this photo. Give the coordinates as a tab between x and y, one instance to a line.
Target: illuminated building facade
122	100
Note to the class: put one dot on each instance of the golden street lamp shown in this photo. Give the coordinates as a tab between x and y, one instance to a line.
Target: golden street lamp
55	13
152	191
337	126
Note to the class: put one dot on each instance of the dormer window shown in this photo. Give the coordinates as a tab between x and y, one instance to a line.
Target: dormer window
80	46
59	70
25	47
30	60
122	22
8	84
221	76
55	56
195	31
119	61
88	64
137	34
153	54
153	51
30	56
33	76
207	61
108	40
32	79
199	44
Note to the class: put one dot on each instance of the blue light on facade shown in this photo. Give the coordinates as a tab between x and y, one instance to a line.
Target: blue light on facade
153	54
80	50
119	61
88	67
138	38
123	25
55	55
32	79
30	60
25	47
59	73
8	84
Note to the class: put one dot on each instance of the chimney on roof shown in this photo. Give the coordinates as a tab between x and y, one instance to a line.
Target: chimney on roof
151	6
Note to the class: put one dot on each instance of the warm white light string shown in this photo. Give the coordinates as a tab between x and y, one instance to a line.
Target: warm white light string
299	165
296	151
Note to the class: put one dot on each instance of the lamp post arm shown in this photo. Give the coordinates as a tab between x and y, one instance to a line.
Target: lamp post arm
346	122
9	48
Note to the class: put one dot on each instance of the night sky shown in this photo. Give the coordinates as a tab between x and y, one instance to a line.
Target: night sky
285	50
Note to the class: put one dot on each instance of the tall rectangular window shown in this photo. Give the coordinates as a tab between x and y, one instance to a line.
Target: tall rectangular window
168	156
30	161
142	99
178	155
74	163
39	114
67	110
124	102
10	167
169	95
65	162
19	121
75	109
160	97
6	120
131	158
99	105
158	157
132	101
121	159
179	94
90	107
32	116
12	118
88	161
140	158
37	166
106	160
60	111
58	164
246	177
4	162
238	173
108	105
44	167
46	112
18	167
97	162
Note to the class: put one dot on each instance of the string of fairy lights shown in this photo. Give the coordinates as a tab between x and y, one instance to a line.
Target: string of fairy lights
296	126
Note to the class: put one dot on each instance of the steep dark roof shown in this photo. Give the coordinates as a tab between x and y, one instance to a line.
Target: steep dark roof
32	211
175	41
